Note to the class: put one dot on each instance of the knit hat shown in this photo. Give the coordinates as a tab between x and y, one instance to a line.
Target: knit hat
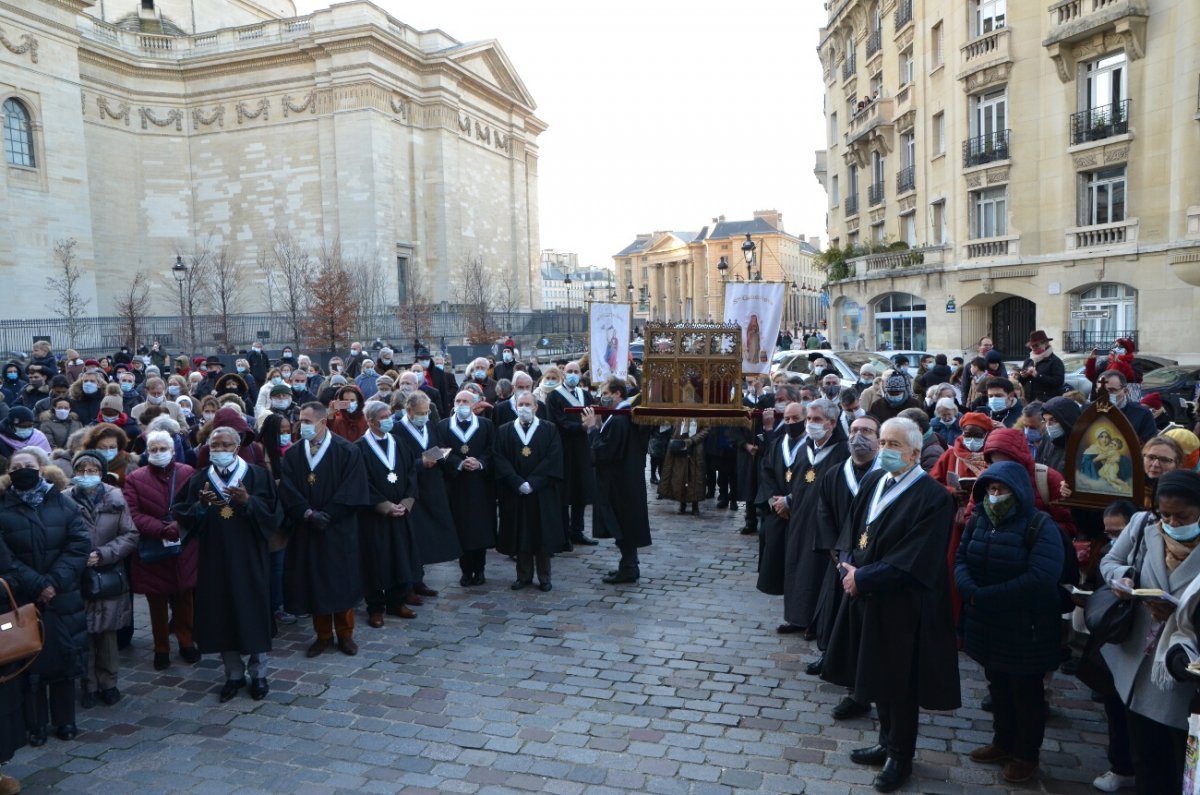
1179	483
898	381
91	363
993	357
338	380
112	402
95	456
281	389
1152	401
1190	445
19	414
976	419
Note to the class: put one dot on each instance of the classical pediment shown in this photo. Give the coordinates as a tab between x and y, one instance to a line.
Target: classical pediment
487	61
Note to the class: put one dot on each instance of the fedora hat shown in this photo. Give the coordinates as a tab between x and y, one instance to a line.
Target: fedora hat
1038	338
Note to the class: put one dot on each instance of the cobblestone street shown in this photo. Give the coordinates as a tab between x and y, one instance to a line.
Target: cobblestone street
678	684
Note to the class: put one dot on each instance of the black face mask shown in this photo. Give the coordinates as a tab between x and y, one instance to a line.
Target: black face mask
25	479
795	429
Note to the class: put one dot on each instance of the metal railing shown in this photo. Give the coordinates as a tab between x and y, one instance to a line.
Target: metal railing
904	13
1087	341
985	148
851	205
1104	121
874	42
906	179
849	67
875	193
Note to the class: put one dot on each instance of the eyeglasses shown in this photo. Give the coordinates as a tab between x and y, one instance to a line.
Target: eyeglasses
1157	459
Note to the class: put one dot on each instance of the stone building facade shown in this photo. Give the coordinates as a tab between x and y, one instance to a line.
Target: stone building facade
156	127
1035	159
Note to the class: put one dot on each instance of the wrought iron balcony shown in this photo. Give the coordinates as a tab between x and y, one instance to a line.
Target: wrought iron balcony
1101	122
875	193
904	13
906	179
1087	341
849	67
851	205
874	42
986	148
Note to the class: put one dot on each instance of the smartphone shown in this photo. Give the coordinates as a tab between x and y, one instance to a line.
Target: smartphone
967	484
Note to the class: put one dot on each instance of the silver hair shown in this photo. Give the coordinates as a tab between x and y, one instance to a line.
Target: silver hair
416	400
789	391
912	432
163	423
374	408
162	436
226	431
827	407
35	452
946	403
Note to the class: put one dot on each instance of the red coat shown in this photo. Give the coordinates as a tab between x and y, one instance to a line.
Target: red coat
1011	442
146	492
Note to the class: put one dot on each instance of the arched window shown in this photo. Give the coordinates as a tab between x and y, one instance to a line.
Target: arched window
18	134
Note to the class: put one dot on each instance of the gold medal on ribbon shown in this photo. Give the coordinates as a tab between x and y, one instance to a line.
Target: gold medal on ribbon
312	478
466	448
862	540
227	512
391	478
811	476
525	451
789	476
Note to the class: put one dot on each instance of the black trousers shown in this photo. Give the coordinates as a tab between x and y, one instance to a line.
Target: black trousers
50	702
1018	712
726	476
898	724
1120	757
379	601
629	555
573	519
525	566
473	562
656	463
1158	754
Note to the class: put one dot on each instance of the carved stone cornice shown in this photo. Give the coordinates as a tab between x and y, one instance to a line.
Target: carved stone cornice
121	113
1128	34
28	44
260	110
309	104
174	116
1097	156
217	117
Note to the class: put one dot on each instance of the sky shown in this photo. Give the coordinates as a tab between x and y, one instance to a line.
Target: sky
662	114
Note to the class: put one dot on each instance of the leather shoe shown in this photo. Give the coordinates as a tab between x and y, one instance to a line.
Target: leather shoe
347	646
414	600
544	586
190	655
66	732
1019	771
465	580
519	584
895	772
583	540
400	611
875	755
479	579
230	689
259	689
162	661
990	755
110	696
318	647
849	708
621	576
814	667
421	589
88	700
375	620
37	737
748	531
788	629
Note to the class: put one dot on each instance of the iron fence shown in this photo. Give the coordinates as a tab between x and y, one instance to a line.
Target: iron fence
1095	124
985	148
1087	341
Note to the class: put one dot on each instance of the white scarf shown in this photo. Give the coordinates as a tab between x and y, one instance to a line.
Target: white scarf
421	436
821	455
1037	358
574	397
526	436
464	436
314	460
880	502
789	455
240	468
388	459
851	481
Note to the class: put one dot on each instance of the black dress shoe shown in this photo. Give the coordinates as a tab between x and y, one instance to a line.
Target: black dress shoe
259	689
621	576
466	580
421	589
190	655
37	737
88	701
788	629
748	531
583	540
849	708
544	586
479	579
519	584
66	732
230	689
895	772
110	696
814	667
162	661
875	755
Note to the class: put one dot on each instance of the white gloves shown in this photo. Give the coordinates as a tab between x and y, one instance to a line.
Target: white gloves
525	489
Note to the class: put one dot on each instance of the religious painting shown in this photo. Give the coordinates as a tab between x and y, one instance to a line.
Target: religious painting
609	325
757	310
1103	460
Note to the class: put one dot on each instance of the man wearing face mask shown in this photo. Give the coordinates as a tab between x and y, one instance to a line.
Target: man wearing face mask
477	373
579	486
749	443
896	396
529	465
893	638
431	392
836	491
156	395
1117	386
782	461
1043	373
1003	405
353	361
436	379
322	486
848	402
804	566
259	362
866	381
471	485
505	411
36	390
507	364
410	384
300	393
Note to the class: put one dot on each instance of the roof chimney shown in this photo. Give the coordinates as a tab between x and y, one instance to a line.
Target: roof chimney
771	217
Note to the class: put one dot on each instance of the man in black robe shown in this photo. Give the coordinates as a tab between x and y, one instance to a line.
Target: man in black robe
385	537
529	463
322	487
431	519
505	409
230	510
619	511
836	490
579	480
893	639
824	449
782	461
470	484
748	441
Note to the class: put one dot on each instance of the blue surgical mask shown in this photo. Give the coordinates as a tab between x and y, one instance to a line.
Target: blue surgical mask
891	460
508	357
572	380
308	432
998	499
298	387
223	459
23	433
480	375
974	444
418	421
11	376
551	384
1119	351
1054	430
126	386
1033	435
463	413
173	391
353	407
1187	532
86	482
285	439
89	387
524	413
276	381
895	400
387	425
109	454
997	403
241	369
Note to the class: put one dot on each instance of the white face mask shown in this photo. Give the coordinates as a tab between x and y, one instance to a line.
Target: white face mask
160	459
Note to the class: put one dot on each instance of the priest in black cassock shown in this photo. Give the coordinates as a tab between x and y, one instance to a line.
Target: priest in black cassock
893	640
579	478
230	509
836	490
322	486
529	462
431	519
504	410
780	465
804	567
385	537
749	441
619	511
470	483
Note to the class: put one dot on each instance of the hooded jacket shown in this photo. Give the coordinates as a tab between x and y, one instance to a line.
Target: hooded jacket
1011	442
12	389
1053	452
249	451
1008	578
1123	363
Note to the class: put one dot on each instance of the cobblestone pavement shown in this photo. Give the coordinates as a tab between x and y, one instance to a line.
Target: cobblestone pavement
678	684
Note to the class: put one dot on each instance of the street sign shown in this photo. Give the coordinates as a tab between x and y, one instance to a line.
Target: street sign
1089	314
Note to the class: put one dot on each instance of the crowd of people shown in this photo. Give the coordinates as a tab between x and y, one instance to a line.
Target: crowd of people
901	523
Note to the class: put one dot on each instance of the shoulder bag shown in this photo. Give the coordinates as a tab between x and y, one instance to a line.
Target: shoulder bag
153	550
104	582
1109	618
21	634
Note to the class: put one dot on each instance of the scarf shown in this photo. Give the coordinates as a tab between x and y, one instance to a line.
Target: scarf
88	503
1038	358
975	462
35	496
1177	551
1177	631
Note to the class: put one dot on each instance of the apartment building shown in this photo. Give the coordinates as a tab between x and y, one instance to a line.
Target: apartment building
998	166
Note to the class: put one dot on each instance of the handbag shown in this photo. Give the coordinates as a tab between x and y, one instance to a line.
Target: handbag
678	447
21	634
153	550
1109	618
104	582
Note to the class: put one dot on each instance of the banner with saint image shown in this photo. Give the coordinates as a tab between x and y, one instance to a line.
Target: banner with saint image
758	308
608	352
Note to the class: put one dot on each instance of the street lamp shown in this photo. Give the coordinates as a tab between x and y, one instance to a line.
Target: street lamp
723	268
748	249
567	283
179	271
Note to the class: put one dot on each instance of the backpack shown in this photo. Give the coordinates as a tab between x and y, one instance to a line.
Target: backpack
1070	567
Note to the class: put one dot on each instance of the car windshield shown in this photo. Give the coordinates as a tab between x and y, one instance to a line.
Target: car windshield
1074	363
1165	376
856	359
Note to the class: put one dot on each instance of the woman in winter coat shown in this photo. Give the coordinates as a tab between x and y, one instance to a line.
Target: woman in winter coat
114	538
1007	569
58	423
86	394
167	582
49	543
111	442
17	430
13	735
349	422
683	473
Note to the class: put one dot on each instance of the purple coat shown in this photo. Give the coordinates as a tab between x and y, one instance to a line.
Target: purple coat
149	504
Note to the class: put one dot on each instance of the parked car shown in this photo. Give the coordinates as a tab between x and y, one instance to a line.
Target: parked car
914	359
847	363
1177	386
637	351
1075	364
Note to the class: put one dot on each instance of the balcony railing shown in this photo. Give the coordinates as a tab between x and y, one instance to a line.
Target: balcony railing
851	205
903	13
883	263
906	179
1119	233
875	193
876	113
985	148
1076	20
986	48
1095	124
874	42
1087	341
848	68
989	248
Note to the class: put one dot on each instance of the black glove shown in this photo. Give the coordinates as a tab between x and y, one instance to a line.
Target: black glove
1177	663
319	519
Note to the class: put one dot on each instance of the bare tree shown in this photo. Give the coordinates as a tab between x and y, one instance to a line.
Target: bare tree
133	307
416	314
368	288
476	294
196	286
332	312
291	270
69	303
508	298
225	292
